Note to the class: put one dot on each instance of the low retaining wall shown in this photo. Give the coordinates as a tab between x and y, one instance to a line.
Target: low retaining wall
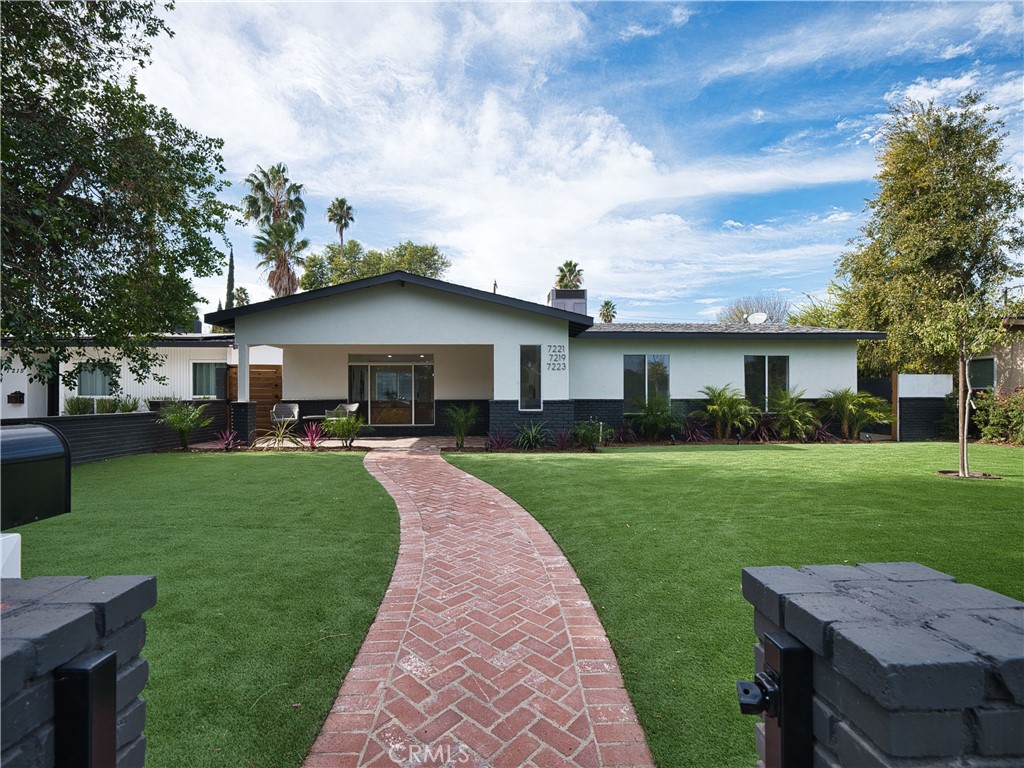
48	622
104	436
909	667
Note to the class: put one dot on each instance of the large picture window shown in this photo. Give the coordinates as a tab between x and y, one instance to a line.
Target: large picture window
529	377
643	377
763	375
204	379
93	382
396	389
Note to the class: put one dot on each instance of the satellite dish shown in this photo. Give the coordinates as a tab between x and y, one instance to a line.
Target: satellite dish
757	318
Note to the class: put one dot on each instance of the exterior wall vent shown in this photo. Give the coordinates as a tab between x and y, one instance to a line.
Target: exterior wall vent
574	300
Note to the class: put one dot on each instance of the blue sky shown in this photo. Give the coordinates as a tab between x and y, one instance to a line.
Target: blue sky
683	153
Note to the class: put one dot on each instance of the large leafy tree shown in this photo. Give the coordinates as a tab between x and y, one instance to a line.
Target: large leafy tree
945	235
569	276
353	262
280	250
109	204
771	303
341	215
273	197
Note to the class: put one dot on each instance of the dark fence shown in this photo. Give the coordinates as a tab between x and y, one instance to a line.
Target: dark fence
105	436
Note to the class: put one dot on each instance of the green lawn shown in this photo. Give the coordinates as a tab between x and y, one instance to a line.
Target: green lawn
269	567
658	537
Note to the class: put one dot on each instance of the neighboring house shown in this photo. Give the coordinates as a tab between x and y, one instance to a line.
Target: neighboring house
405	347
193	368
1003	367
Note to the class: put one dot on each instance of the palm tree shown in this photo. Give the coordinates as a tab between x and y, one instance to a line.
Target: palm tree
607	312
273	198
241	296
281	253
569	276
340	214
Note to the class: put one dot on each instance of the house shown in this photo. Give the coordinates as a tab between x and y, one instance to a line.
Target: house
193	367
1002	368
406	347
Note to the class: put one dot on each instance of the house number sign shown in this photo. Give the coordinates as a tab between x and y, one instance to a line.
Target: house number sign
557	359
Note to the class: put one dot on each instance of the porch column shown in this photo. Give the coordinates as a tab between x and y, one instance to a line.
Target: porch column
243	373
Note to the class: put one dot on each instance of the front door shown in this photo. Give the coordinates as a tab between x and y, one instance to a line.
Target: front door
393	390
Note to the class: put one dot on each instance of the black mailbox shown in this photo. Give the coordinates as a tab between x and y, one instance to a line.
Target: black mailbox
35	474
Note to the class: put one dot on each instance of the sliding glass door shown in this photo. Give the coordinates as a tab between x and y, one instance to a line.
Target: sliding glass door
393	389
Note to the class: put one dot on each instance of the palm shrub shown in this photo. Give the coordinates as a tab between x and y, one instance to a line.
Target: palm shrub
853	411
183	418
727	409
795	418
462	420
531	436
78	406
655	417
346	429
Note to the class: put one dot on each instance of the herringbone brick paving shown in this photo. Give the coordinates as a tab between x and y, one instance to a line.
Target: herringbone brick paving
486	651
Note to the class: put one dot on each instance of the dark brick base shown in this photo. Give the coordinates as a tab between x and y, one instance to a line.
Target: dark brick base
505	416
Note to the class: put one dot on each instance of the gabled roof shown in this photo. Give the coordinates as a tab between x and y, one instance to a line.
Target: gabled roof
741	331
226	318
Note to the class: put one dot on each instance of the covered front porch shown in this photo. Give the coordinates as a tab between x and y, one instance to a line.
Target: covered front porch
399	389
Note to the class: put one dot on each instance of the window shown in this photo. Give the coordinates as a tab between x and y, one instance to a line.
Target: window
764	375
982	373
204	379
93	382
643	376
529	377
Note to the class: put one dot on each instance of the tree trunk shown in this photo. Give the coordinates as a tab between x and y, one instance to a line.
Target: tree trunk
962	416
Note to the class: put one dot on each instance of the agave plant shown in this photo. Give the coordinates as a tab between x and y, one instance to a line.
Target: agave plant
853	411
727	409
531	436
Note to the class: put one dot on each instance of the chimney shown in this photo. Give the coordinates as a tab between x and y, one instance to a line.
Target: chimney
574	300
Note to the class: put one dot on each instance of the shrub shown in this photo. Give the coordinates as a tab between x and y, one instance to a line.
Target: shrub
794	417
591	434
346	429
184	417
655	417
498	440
462	420
727	410
78	406
228	439
275	438
1000	416
106	405
852	411
624	434
763	429
313	435
531	436
563	439
127	404
695	430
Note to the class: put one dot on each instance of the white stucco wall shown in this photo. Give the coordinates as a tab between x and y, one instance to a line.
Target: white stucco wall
411	318
35	395
595	365
314	372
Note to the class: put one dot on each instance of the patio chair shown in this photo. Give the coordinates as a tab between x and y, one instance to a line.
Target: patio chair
342	411
284	413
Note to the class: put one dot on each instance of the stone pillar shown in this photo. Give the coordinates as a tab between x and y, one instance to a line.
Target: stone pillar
909	665
243	420
50	621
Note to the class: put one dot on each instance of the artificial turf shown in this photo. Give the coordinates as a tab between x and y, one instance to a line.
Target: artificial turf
658	537
270	568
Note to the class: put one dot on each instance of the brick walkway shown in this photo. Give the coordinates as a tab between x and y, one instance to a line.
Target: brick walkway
486	650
